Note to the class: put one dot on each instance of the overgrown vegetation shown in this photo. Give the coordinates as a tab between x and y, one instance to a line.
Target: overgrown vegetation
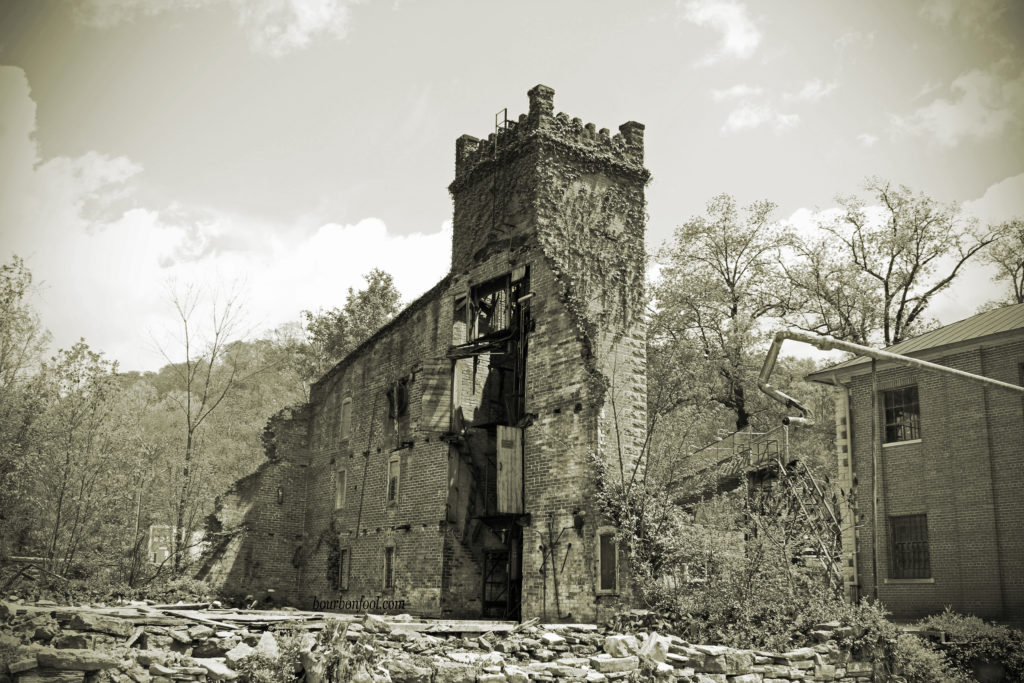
973	641
261	668
91	457
917	662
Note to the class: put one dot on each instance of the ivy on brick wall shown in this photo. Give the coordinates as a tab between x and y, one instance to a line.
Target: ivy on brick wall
592	230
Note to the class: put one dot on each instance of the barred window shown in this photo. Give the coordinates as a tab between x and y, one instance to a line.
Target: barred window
902	415
908	547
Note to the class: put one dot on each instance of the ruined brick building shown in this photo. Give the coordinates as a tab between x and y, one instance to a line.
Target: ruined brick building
448	466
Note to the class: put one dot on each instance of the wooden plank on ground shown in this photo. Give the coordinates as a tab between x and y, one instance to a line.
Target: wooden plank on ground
186	614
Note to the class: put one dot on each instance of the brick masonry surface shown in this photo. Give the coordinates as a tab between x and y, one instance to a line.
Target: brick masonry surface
547	196
966	474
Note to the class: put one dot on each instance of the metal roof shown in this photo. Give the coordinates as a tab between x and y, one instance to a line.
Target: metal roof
985	324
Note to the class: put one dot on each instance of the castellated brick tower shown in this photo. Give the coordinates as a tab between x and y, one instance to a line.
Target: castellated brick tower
448	466
561	204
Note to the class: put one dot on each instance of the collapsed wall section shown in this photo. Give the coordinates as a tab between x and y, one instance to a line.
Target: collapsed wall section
256	534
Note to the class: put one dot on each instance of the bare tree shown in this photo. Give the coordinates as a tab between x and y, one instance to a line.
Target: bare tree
1007	255
881	265
207	374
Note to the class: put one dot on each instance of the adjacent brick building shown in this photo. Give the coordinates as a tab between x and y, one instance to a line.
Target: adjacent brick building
936	466
448	466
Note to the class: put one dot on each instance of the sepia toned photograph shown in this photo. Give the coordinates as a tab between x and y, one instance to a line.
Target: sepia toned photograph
424	342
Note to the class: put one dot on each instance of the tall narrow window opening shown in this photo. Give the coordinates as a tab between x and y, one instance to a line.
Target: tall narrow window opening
389	568
346	418
607	560
343	569
340	483
393	481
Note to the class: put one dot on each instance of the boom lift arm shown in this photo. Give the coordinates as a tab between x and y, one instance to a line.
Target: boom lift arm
827	343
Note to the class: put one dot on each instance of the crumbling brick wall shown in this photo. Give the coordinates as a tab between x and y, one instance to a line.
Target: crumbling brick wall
554	209
256	533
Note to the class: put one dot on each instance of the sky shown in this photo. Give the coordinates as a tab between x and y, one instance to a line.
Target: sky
283	148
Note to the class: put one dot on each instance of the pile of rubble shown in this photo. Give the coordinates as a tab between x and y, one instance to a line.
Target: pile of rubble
171	643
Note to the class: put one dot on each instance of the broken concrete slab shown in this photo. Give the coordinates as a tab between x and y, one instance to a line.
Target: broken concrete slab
621	645
86	621
75	660
608	664
216	669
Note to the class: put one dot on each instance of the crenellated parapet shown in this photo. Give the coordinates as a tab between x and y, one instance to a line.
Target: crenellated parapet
624	150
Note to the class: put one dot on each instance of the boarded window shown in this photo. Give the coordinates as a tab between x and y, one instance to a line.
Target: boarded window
340	482
902	415
908	547
607	554
346	418
343	569
393	480
389	568
510	470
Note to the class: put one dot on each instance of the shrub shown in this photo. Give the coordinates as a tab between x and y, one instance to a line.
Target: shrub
973	641
917	662
258	668
728	573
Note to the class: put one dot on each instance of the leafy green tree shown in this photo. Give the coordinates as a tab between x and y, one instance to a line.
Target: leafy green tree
22	342
74	450
332	335
721	284
874	270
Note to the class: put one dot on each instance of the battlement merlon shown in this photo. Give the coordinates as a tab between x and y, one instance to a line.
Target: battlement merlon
625	149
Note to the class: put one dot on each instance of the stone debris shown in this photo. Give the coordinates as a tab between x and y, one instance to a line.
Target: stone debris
143	645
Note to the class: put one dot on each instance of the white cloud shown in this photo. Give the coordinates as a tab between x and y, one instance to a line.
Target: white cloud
751	116
740	37
976	14
982	105
274	27
736	92
854	38
812	91
104	264
278	27
867	139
